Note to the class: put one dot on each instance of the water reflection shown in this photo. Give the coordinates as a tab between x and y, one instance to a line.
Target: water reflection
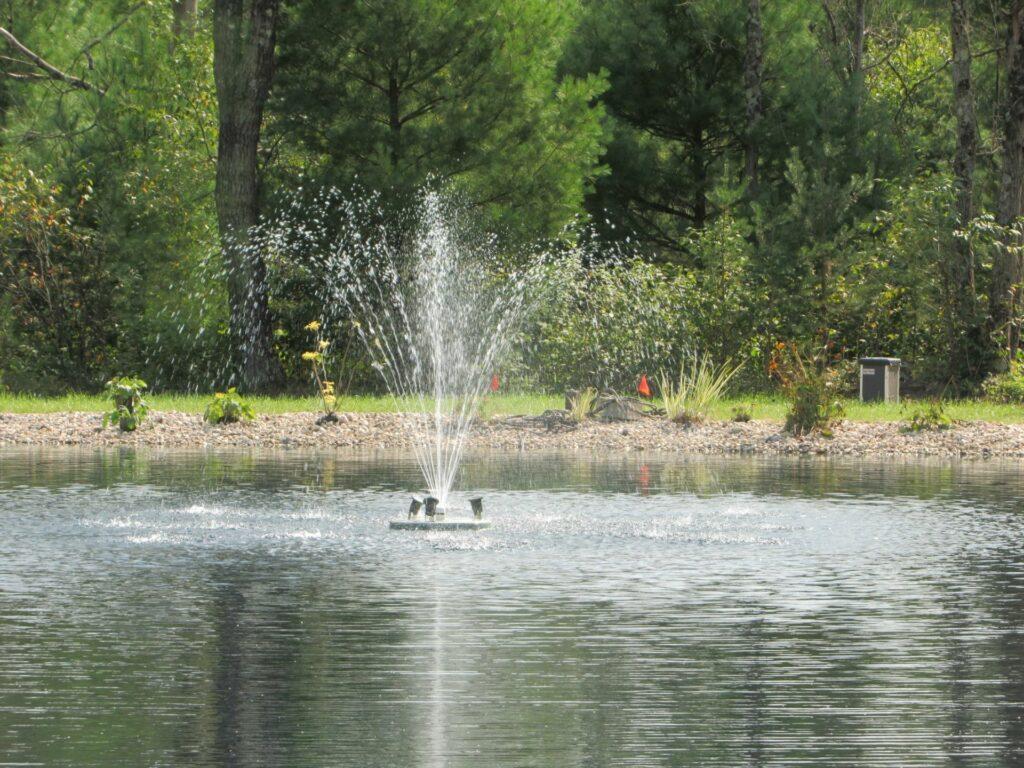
220	609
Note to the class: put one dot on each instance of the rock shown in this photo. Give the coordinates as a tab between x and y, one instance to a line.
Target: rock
615	408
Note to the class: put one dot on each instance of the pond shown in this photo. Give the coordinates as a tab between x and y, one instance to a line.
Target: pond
248	609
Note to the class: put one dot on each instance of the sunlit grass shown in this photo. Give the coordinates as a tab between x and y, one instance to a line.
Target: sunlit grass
492	405
770	407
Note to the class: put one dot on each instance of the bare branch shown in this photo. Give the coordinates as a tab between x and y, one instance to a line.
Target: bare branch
24	76
47	67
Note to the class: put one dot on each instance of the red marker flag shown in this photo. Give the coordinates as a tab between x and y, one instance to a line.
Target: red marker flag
643	387
494	383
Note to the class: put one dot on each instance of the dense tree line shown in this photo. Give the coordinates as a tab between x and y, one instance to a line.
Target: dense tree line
846	174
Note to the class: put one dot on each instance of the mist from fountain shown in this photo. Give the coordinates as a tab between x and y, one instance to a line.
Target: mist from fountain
435	301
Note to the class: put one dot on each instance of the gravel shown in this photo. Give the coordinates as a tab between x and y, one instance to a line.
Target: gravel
389	430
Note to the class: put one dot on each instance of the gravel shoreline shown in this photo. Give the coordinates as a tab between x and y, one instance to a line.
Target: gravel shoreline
388	430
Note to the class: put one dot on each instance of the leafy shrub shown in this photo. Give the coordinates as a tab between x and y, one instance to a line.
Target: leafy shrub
810	388
581	404
601	324
58	289
129	409
228	408
1006	387
931	418
700	385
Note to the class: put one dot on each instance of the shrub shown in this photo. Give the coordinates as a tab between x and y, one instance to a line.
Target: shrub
743	413
1006	387
932	417
601	323
228	408
129	409
700	385
810	388
581	404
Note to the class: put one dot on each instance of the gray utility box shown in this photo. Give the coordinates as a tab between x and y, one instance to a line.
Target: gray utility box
880	379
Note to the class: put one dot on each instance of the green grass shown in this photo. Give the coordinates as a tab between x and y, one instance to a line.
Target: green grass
761	406
493	405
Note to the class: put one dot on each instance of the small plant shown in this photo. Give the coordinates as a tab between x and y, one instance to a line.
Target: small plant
581	404
700	385
810	388
129	409
228	408
743	413
325	387
928	419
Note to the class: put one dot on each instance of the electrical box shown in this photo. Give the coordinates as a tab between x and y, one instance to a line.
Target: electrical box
880	379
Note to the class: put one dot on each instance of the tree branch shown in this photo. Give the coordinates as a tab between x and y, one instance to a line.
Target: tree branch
47	67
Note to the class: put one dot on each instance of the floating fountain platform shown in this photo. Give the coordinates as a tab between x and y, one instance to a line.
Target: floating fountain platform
434	519
440	525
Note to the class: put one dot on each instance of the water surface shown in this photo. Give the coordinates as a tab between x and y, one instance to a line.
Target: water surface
233	609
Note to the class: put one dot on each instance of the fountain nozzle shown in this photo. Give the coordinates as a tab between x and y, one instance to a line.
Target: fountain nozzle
477	506
432	511
414	507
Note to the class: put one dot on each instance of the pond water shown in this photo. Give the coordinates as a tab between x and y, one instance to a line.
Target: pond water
236	609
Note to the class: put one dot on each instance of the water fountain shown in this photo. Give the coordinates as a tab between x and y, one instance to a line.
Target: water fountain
434	300
436	307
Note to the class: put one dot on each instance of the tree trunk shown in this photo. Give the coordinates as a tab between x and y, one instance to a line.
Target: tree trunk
698	163
184	20
394	122
1004	295
859	23
752	77
965	335
243	64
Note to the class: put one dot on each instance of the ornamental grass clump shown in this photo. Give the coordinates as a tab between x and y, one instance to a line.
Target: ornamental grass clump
701	384
129	407
811	389
228	408
325	387
582	404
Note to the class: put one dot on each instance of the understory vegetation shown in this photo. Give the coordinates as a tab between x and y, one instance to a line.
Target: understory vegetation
715	178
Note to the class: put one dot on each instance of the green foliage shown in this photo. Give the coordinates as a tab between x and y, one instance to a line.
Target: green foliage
228	408
701	384
604	324
810	388
129	408
56	284
1006	387
536	112
931	417
676	103
403	92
